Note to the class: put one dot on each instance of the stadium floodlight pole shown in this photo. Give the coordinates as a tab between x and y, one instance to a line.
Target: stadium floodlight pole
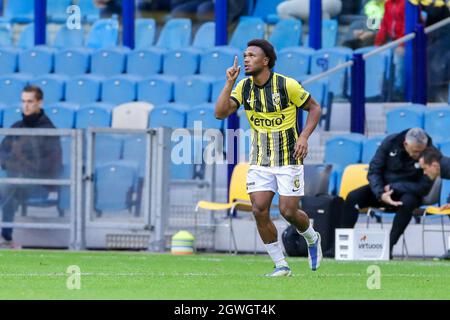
40	21
221	12
420	66
315	24
358	112
411	20
128	12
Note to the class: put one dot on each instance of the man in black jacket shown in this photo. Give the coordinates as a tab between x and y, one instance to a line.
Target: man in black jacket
38	157
434	164
396	181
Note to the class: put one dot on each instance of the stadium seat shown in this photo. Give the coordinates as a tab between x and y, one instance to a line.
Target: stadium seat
325	59
8	60
52	85
145	62
69	38
73	62
287	33
11	88
83	89
108	147
216	61
176	34
157	89
134	150
104	33
329	33
444	146
247	29
166	116
89	11
119	89
205	37
354	177
131	115
11	115
2	107
294	61
109	195
6	34
145	33
181	62
93	115
56	10
26	37
216	89
267	10
341	151
61	117
370	147
437	123
19	11
193	90
403	118
109	62
36	61
204	114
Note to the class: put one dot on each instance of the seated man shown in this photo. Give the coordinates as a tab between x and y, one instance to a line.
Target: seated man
434	164
396	181
38	157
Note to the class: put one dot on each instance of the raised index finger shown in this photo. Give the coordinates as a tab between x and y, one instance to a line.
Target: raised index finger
235	64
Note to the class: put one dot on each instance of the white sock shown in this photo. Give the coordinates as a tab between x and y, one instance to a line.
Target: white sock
276	253
310	235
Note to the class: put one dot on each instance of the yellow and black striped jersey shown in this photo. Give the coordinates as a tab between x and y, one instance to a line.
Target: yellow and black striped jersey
271	110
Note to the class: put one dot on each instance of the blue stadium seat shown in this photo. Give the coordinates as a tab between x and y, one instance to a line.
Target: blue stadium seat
287	33
109	62
193	90
37	61
370	146
11	88
444	146
181	62
26	37
89	11
325	59
120	89
216	89
215	62
93	115
403	118
73	62
182	107
437	123
108	147
267	10
145	33
6	34
134	150
19	11
156	90
56	10
104	33
165	116
83	89
294	61
203	113
205	37
319	91
247	29
8	59
145	62
341	151
69	38
52	85
2	107
109	195
329	33
11	115
175	34
61	117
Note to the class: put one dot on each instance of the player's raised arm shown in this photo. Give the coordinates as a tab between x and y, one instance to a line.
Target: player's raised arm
224	104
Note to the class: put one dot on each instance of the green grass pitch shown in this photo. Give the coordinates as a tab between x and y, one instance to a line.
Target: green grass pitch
42	274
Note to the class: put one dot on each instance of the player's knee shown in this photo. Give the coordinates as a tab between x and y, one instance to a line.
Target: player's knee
288	213
260	212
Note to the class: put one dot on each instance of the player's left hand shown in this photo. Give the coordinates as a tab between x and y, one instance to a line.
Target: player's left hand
301	148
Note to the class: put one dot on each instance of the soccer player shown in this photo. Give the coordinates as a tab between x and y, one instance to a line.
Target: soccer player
271	103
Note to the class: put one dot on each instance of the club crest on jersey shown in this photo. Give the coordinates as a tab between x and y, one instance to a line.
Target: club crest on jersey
297	182
276	98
